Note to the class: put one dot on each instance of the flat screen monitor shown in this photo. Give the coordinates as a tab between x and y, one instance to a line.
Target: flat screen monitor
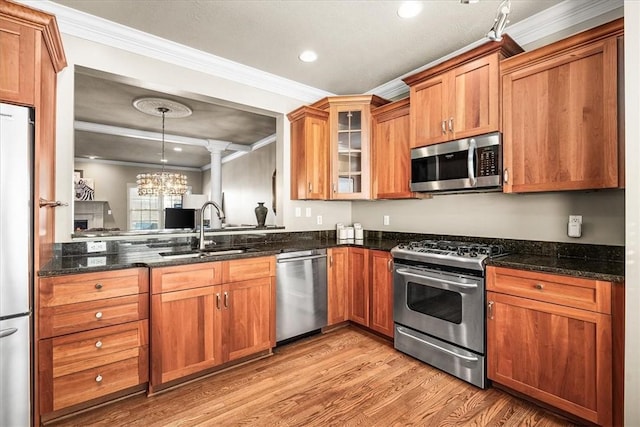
179	218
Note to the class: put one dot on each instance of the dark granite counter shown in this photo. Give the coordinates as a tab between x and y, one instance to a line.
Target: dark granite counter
589	261
611	271
125	254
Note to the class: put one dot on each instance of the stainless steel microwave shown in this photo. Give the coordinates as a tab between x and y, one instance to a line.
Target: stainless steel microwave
470	164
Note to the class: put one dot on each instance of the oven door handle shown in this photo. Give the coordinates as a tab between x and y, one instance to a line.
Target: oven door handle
470	169
406	333
404	272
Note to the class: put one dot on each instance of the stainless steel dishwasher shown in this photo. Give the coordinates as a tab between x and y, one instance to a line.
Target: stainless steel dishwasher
301	293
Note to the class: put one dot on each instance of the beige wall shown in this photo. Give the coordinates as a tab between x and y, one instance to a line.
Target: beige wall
515	216
632	272
246	181
111	185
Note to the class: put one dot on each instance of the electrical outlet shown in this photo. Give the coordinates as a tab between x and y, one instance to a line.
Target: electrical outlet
96	261
307	212
385	220
319	219
298	212
574	228
96	247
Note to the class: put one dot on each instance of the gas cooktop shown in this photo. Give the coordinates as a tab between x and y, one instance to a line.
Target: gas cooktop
448	253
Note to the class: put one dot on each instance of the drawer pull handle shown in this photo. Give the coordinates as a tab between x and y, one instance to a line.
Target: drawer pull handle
99	344
99	378
99	315
539	286
98	285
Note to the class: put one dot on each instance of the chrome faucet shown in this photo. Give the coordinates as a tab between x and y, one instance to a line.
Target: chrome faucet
202	210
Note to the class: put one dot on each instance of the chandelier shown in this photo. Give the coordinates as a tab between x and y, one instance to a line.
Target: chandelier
161	183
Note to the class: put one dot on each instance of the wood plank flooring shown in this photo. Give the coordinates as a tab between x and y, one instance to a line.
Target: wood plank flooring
343	378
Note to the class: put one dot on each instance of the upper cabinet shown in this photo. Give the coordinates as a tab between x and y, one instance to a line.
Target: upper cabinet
349	144
32	55
331	148
560	114
309	154
391	153
459	97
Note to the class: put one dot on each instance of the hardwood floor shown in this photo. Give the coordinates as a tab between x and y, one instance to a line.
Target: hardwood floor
344	378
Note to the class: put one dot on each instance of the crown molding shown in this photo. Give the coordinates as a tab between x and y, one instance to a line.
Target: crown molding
135	164
89	27
550	21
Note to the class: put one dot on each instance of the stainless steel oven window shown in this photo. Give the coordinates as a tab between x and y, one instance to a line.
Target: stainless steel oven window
442	304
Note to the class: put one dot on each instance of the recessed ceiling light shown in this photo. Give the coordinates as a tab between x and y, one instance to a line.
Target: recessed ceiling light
164	160
308	56
409	9
93	157
177	148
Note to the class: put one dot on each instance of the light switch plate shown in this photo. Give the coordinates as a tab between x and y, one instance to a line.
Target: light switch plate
96	247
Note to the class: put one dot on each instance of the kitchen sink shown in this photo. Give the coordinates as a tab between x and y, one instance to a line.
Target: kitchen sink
206	253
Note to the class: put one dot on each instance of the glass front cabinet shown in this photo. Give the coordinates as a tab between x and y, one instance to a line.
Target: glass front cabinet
350	144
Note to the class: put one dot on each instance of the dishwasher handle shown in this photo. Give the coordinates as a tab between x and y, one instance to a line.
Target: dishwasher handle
302	258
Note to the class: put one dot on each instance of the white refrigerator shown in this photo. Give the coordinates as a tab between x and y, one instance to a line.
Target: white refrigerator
16	264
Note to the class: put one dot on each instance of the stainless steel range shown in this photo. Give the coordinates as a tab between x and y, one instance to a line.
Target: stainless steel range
439	305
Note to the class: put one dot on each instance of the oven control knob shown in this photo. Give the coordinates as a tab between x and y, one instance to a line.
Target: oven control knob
473	254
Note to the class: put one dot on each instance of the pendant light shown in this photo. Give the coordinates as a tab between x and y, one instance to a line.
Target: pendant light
160	183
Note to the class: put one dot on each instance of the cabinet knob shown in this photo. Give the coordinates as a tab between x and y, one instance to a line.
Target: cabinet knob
98	285
539	286
98	344
99	315
99	378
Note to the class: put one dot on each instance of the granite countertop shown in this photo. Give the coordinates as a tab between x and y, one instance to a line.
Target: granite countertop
588	261
139	255
610	271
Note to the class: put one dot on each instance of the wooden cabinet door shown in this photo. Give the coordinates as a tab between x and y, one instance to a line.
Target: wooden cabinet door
337	285
381	276
560	121
391	152
248	314
556	354
186	332
309	154
17	68
359	286
430	111
475	104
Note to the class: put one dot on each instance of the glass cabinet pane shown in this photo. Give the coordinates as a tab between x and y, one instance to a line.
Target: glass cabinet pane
349	152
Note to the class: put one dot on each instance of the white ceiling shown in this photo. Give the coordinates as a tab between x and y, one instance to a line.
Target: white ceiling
362	45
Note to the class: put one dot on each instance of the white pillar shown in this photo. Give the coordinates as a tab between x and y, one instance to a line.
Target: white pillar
216	148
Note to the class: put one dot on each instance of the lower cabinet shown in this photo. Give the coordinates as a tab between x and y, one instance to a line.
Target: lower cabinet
370	289
337	285
216	318
550	338
93	338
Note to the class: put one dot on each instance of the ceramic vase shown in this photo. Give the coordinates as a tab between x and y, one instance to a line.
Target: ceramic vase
261	213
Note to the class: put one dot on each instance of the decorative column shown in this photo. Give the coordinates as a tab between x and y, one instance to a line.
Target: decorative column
216	148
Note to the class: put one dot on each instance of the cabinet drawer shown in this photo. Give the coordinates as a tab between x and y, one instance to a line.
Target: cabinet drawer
75	288
66	319
248	268
84	350
181	277
587	294
95	382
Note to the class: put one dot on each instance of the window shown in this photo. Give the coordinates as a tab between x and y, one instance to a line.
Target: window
146	212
